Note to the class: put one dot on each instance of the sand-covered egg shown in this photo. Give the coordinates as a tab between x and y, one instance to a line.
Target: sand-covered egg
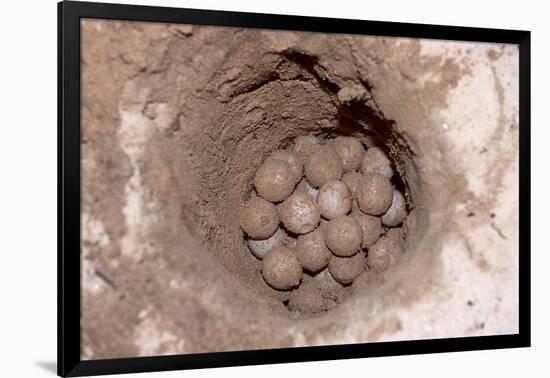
334	199
274	180
350	151
312	250
324	165
352	181
385	251
308	298
371	227
346	269
304	146
292	159
343	236
259	248
281	268
376	161
397	212
299	213
374	194
259	218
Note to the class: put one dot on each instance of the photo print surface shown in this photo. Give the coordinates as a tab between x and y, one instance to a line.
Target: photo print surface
253	189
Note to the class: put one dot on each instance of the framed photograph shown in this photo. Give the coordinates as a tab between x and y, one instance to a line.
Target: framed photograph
239	188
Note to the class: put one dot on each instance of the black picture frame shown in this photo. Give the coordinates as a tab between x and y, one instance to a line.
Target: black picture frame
69	15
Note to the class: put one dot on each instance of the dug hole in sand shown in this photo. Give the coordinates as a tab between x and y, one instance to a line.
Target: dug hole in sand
176	120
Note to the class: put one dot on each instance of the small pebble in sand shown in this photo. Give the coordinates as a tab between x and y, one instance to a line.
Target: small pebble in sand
346	269
374	194
334	199
292	159
281	268
259	248
259	218
299	213
312	251
397	211
307	298
324	165
274	180
376	161
343	236
351	152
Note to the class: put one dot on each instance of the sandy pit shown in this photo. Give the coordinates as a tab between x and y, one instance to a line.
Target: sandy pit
176	120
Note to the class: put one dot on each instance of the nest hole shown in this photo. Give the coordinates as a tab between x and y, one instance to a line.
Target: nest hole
257	122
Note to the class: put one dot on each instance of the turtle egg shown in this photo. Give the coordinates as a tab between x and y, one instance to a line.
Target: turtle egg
281	268
343	236
259	248
299	213
292	159
259	218
397	211
274	180
374	194
334	199
375	160
351	152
